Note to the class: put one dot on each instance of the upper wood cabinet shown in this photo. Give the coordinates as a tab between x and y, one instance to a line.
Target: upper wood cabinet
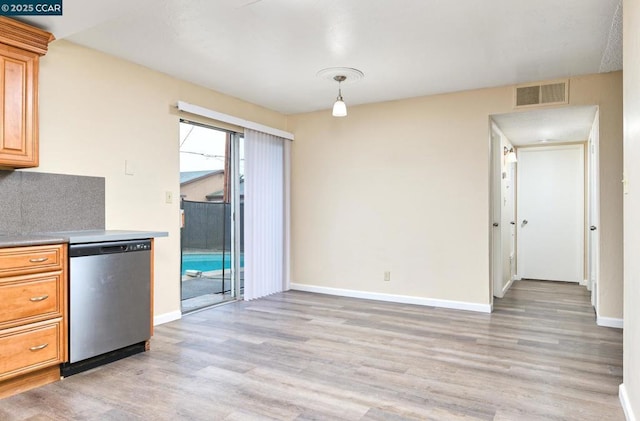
21	46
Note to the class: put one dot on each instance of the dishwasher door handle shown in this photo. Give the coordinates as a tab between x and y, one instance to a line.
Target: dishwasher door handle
112	249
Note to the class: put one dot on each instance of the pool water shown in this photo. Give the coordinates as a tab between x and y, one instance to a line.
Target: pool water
206	262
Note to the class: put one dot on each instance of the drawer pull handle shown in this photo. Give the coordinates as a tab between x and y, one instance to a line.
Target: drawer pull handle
38	348
39	260
40	298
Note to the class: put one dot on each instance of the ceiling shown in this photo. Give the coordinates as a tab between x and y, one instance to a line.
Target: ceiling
551	125
268	52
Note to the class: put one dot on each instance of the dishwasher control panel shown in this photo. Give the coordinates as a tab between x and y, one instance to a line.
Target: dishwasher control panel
145	245
111	247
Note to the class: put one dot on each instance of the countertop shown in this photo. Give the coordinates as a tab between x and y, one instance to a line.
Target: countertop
75	237
18	240
95	236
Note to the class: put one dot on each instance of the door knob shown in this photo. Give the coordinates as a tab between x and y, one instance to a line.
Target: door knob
495	224
593	228
525	222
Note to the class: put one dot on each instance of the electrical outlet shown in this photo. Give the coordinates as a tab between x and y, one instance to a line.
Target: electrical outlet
387	276
168	197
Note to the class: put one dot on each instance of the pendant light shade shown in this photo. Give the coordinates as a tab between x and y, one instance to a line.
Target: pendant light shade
339	107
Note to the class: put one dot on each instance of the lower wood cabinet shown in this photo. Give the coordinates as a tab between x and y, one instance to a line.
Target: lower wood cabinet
33	316
31	298
28	348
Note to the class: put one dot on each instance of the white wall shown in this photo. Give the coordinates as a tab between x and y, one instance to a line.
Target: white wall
403	186
610	295
631	42
96	111
400	186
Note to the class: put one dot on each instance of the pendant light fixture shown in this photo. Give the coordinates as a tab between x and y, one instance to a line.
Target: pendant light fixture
339	107
340	75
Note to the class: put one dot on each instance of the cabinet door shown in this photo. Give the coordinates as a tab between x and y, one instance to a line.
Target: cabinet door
18	107
31	298
31	347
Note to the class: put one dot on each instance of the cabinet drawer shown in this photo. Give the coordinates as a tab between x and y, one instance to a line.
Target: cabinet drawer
26	299
30	347
22	260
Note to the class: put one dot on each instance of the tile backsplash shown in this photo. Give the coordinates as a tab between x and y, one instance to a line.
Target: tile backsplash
38	202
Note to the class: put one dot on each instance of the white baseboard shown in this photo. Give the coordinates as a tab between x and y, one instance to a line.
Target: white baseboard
626	405
584	282
609	322
167	317
517	277
404	299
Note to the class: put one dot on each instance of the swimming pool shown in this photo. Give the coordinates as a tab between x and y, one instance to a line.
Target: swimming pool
206	262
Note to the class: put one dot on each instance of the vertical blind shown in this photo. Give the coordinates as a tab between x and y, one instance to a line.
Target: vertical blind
265	227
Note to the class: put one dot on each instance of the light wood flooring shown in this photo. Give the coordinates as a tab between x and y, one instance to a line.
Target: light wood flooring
302	356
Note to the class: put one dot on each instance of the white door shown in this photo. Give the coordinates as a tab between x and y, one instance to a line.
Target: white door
496	237
550	205
508	223
594	213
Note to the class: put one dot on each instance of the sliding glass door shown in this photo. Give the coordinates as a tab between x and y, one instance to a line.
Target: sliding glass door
212	195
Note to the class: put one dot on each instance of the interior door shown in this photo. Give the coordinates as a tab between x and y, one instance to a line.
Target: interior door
508	223
496	214
503	214
551	213
594	213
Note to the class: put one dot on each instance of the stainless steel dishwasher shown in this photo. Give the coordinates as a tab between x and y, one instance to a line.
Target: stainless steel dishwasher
109	302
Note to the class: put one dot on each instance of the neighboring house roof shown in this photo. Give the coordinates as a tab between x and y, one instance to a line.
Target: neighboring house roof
217	195
191	176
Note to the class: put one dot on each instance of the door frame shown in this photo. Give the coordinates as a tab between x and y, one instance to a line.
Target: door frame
235	214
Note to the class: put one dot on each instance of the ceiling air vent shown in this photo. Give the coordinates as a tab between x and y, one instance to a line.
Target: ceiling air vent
544	93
